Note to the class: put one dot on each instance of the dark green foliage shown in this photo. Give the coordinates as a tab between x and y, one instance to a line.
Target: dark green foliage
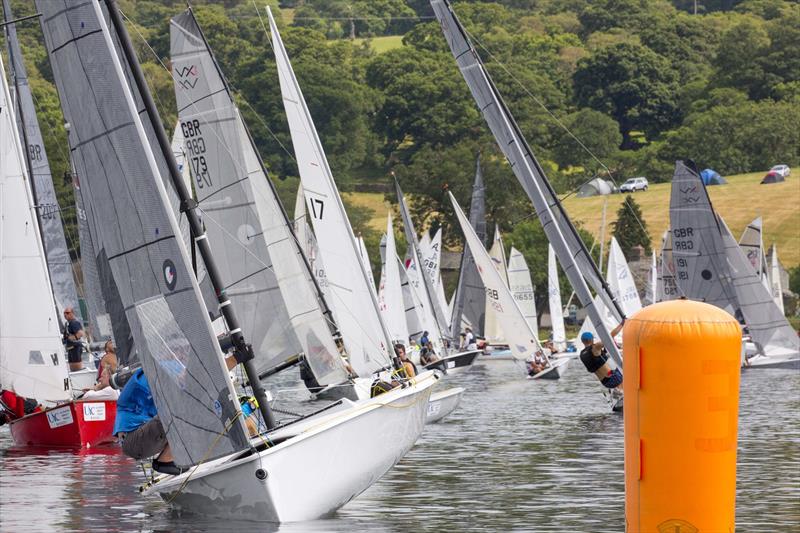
630	228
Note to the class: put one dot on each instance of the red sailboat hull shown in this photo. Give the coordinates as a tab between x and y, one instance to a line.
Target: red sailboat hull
77	424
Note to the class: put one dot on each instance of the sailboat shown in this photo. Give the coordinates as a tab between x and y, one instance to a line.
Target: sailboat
521	286
775	285
710	266
522	340
301	470
570	249
33	363
752	244
451	361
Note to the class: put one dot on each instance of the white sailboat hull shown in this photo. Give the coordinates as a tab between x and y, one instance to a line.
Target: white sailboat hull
555	370
775	358
456	363
300	481
443	403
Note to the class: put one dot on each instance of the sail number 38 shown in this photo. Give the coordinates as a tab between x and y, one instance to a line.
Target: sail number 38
195	150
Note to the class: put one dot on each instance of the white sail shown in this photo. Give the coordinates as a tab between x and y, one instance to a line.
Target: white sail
411	301
32	359
620	280
652	294
422	304
520	337
667	288
308	243
392	306
362	250
492	330
352	300
519	281
776	287
554	299
431	249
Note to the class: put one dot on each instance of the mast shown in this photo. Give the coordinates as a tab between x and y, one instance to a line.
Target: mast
188	205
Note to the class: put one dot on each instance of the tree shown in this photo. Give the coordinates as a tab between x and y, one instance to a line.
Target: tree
738	58
632	84
630	228
599	138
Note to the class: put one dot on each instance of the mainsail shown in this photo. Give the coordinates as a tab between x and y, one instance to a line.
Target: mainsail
227	182
32	359
59	262
492	329
766	324
521	339
572	253
752	244
620	280
554	300
469	300
352	300
392	306
698	253
519	281
121	180
667	288
775	285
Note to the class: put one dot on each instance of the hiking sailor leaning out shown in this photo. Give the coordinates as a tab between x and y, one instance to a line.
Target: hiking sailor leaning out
595	358
138	428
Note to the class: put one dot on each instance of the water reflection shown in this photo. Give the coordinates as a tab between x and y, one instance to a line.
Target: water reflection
516	456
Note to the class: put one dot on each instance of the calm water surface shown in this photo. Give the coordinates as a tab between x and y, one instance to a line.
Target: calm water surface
516	456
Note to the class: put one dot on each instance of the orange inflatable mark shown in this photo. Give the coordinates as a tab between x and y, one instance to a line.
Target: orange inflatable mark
681	412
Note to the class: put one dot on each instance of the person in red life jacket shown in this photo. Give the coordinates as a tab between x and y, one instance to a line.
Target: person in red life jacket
13	406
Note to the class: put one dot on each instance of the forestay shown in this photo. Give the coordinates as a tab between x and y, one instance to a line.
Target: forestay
520	337
766	324
349	295
469	300
32	359
698	254
59	263
554	300
236	217
519	281
180	355
573	255
492	329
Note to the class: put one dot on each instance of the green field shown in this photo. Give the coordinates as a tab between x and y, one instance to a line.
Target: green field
739	202
382	44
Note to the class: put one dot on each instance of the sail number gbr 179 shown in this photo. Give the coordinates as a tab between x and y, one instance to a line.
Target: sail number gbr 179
195	150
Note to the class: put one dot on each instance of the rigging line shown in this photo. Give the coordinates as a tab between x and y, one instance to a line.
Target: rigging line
418	17
555	119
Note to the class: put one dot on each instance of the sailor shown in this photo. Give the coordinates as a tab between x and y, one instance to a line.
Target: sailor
537	363
595	358
73	333
408	367
428	355
107	367
424	339
469	339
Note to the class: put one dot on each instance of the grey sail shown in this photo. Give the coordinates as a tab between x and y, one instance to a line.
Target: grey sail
570	250
766	324
427	291
121	182
698	254
285	321
48	212
225	190
99	319
470	299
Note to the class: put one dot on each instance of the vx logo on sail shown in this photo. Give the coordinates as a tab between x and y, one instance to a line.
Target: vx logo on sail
188	77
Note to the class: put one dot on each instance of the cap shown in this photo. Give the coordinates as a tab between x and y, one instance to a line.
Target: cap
587	336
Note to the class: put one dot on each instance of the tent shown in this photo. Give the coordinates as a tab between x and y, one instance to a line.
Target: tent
712	177
595	187
772	177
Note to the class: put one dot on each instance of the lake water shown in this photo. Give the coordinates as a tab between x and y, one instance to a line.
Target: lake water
516	456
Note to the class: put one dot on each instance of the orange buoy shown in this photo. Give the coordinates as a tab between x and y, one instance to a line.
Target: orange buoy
681	409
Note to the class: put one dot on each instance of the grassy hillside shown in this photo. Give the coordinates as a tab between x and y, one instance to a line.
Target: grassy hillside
739	202
382	44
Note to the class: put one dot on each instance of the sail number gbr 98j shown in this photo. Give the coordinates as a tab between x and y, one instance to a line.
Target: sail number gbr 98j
195	148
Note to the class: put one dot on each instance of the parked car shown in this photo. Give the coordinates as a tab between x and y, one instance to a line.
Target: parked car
783	170
634	184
